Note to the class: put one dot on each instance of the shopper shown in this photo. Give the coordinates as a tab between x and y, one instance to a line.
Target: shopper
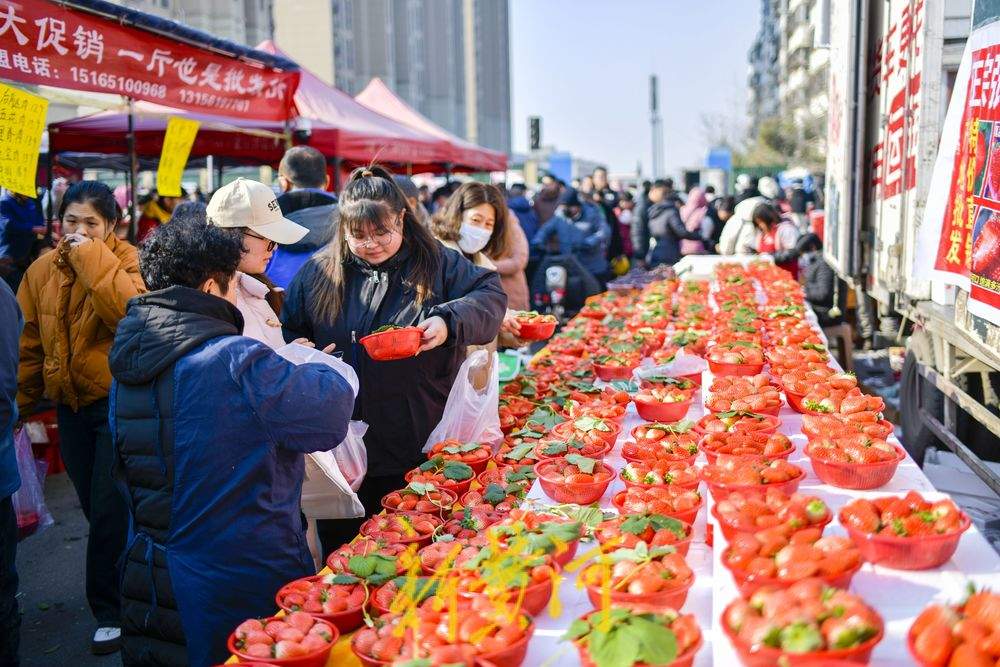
777	237
384	268
72	299
517	201
577	230
412	194
475	222
10	617
663	224
156	211
210	428
739	236
19	215
626	216
694	213
547	198
607	199
248	211
305	201
819	282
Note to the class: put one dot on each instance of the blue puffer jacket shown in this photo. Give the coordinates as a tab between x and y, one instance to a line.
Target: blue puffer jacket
209	430
587	238
317	212
525	215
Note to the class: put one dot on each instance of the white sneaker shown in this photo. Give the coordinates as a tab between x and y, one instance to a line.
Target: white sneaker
106	640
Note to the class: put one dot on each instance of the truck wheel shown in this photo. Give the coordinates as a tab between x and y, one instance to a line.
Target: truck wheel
916	436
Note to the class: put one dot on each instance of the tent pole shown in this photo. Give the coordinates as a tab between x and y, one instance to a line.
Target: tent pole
133	169
409	169
218	177
336	175
447	173
51	213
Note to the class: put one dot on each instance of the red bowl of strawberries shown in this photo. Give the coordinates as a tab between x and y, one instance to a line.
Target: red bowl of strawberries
297	640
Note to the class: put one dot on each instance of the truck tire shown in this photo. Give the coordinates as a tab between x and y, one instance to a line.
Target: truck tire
916	436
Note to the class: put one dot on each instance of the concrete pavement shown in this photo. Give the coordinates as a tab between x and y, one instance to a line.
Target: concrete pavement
56	626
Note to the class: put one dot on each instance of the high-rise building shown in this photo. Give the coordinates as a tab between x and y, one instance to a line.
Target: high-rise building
789	66
449	59
242	21
764	69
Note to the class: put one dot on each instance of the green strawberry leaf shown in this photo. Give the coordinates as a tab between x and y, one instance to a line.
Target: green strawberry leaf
519	452
457	471
584	463
495	494
342	579
362	566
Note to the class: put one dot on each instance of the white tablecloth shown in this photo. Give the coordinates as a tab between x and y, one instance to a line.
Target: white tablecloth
897	595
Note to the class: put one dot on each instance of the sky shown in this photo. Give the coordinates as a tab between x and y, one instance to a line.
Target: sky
584	66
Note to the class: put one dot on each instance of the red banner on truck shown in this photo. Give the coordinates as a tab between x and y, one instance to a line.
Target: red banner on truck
969	242
48	43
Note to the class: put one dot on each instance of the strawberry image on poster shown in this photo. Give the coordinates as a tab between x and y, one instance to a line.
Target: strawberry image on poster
986	248
993	176
981	163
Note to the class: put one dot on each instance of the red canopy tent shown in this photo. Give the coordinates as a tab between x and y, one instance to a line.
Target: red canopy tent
467	155
323	117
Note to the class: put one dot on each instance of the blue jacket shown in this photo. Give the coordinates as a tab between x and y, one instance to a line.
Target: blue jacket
16	222
11	323
315	210
210	428
587	238
525	215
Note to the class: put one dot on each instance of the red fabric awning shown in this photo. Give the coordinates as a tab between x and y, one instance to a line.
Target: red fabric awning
96	46
107	132
465	154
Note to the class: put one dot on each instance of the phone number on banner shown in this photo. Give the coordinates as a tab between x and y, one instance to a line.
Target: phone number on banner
118	84
214	101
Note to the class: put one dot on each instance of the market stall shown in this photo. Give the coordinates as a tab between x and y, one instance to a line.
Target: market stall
742	361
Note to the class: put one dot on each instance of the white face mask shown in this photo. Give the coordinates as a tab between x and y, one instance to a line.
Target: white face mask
472	239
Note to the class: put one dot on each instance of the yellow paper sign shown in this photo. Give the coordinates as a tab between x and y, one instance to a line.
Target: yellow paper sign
176	147
22	121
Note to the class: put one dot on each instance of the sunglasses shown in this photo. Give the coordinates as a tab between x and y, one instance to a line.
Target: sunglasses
271	245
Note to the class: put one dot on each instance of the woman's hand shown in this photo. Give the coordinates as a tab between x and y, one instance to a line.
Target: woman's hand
308	343
435	333
510	324
76	239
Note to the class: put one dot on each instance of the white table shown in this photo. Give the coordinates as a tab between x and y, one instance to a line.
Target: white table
897	595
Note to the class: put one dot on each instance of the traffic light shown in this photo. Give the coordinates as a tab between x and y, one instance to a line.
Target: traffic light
534	133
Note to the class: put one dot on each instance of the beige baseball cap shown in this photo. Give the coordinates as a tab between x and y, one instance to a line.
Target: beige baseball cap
246	203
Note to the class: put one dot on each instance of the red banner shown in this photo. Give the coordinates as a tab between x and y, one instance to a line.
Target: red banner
970	235
45	43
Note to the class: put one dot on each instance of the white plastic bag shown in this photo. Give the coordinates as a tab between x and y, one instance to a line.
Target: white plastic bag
332	477
351	455
683	364
469	415
29	500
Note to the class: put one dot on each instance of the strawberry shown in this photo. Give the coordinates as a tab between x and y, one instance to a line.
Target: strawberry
984	606
968	655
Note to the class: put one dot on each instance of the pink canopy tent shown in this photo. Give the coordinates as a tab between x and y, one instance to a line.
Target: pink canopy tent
466	155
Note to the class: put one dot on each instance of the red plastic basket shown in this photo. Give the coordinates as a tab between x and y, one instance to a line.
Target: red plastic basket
655	411
597	454
581	494
720	491
907	553
765	656
685	516
393	344
315	659
795	401
749	584
668	599
685	659
346	621
730	531
689	486
856	475
735	369
537	330
448	500
536	597
420	540
456	487
713	456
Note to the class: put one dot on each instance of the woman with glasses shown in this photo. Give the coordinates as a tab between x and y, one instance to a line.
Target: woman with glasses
384	268
250	210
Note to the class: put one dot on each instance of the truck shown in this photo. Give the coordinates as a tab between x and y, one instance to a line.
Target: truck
894	143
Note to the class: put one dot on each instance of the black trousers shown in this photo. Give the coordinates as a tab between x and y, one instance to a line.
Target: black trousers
86	448
10	616
334	533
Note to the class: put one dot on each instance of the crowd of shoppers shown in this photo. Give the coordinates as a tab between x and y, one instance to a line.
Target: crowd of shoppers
149	353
